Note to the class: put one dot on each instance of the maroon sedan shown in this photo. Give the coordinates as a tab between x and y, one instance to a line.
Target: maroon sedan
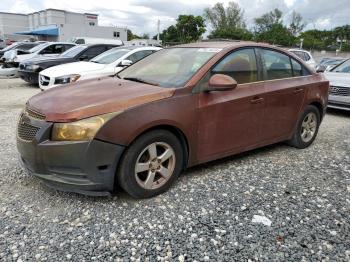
177	108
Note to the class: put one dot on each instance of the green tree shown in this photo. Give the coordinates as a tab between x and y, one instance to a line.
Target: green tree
131	36
296	24
268	20
277	34
188	28
227	22
342	34
269	28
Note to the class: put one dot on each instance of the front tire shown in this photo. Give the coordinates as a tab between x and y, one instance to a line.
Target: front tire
151	164
307	128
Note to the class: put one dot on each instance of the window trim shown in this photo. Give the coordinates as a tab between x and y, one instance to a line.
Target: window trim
290	61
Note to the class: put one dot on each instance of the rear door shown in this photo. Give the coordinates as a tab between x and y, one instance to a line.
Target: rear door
285	90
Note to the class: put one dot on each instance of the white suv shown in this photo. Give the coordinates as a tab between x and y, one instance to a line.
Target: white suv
304	55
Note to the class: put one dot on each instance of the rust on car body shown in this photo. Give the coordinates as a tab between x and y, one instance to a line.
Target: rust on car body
210	123
100	94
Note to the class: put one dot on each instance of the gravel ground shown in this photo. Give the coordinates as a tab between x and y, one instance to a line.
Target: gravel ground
272	204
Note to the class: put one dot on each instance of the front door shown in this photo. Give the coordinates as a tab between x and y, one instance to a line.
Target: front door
230	121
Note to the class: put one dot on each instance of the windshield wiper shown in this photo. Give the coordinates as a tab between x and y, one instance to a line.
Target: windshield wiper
94	61
139	80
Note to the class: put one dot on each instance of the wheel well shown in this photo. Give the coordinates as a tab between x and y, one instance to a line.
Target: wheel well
178	133
319	107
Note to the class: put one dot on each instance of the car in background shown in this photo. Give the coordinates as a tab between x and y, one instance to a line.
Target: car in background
14	57
18	45
29	69
339	91
106	64
94	40
48	49
305	56
327	63
179	107
2	43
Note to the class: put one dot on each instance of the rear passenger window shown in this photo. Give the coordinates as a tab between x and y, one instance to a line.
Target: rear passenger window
277	65
240	65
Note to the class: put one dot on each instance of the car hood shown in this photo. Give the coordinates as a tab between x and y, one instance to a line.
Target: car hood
338	79
94	97
72	68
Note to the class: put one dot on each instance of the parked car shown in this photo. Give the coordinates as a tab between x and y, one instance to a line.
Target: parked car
339	92
106	64
14	57
328	63
93	40
48	49
29	69
18	45
176	108
305	56
2	43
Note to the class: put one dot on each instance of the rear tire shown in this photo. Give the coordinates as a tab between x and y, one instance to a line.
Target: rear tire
151	164
307	128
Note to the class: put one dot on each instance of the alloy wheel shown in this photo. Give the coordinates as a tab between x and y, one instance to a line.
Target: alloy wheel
155	165
308	127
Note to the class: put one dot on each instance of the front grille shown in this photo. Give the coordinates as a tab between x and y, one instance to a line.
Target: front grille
44	80
26	131
22	66
34	114
339	91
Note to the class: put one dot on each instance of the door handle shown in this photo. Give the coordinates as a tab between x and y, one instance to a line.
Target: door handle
257	100
298	90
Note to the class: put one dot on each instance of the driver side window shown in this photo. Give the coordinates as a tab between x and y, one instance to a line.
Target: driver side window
241	65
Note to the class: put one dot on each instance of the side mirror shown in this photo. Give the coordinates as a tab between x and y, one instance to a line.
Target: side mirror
125	62
220	82
83	58
321	69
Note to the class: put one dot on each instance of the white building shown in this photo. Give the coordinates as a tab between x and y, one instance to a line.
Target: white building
56	25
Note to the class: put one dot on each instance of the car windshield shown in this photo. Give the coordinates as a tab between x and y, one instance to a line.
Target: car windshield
38	47
342	68
171	67
109	56
72	52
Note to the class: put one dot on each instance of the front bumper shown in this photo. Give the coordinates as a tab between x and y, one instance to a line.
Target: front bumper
86	167
29	76
339	102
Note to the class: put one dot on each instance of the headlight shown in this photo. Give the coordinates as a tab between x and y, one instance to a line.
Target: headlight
66	79
81	130
32	67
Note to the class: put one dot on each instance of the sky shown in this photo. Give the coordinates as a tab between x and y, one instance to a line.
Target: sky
141	16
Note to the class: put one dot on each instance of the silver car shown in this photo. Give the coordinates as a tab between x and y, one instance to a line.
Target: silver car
339	92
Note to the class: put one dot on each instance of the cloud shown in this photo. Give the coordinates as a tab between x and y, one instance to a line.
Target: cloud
141	16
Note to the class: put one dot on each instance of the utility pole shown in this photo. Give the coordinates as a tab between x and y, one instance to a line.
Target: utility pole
158	26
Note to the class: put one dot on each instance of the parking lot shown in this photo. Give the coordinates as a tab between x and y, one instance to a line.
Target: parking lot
273	204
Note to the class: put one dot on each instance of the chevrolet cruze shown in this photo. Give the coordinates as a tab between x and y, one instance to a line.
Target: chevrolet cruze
176	108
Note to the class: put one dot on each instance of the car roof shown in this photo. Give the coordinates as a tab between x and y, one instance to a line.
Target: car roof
136	48
298	50
216	44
